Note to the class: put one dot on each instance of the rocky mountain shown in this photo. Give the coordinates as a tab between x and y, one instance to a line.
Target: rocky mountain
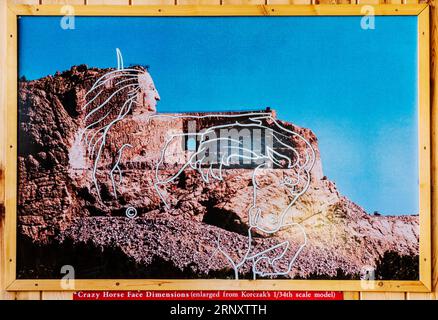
65	212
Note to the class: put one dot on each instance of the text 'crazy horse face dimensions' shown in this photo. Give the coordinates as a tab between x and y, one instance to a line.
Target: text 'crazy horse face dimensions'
256	139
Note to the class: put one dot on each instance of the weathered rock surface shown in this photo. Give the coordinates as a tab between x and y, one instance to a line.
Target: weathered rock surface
57	199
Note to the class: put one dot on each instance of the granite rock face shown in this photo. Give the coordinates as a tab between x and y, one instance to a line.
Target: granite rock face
58	199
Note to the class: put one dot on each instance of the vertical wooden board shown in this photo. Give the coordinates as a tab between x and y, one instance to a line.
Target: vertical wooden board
28	295
289	1
65	2
100	2
325	1
370	1
3	39
301	2
198	2
419	296
434	136
10	141
153	2
4	295
424	144
382	296
26	1
351	295
57	295
243	2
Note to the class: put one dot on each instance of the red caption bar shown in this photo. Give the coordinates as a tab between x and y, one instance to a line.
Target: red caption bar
208	295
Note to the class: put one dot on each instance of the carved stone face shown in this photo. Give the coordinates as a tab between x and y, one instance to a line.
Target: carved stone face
150	94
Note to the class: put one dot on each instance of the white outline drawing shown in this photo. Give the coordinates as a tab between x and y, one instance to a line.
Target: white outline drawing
117	167
97	141
296	164
196	162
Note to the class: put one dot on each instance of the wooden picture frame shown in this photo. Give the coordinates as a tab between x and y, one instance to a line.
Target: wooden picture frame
11	147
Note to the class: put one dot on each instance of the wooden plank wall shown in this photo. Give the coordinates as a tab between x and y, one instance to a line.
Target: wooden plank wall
38	295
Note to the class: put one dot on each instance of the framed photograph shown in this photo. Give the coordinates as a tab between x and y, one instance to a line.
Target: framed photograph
198	147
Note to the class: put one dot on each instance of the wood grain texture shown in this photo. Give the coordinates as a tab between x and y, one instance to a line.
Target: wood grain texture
28	295
26	1
10	150
244	2
222	284
351	295
57	295
66	2
289	1
424	147
3	39
198	2
326	2
394	1
420	296
382	296
4	295
153	2
223	10
100	2
434	137
370	1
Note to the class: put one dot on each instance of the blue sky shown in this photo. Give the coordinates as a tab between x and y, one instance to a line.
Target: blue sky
356	89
